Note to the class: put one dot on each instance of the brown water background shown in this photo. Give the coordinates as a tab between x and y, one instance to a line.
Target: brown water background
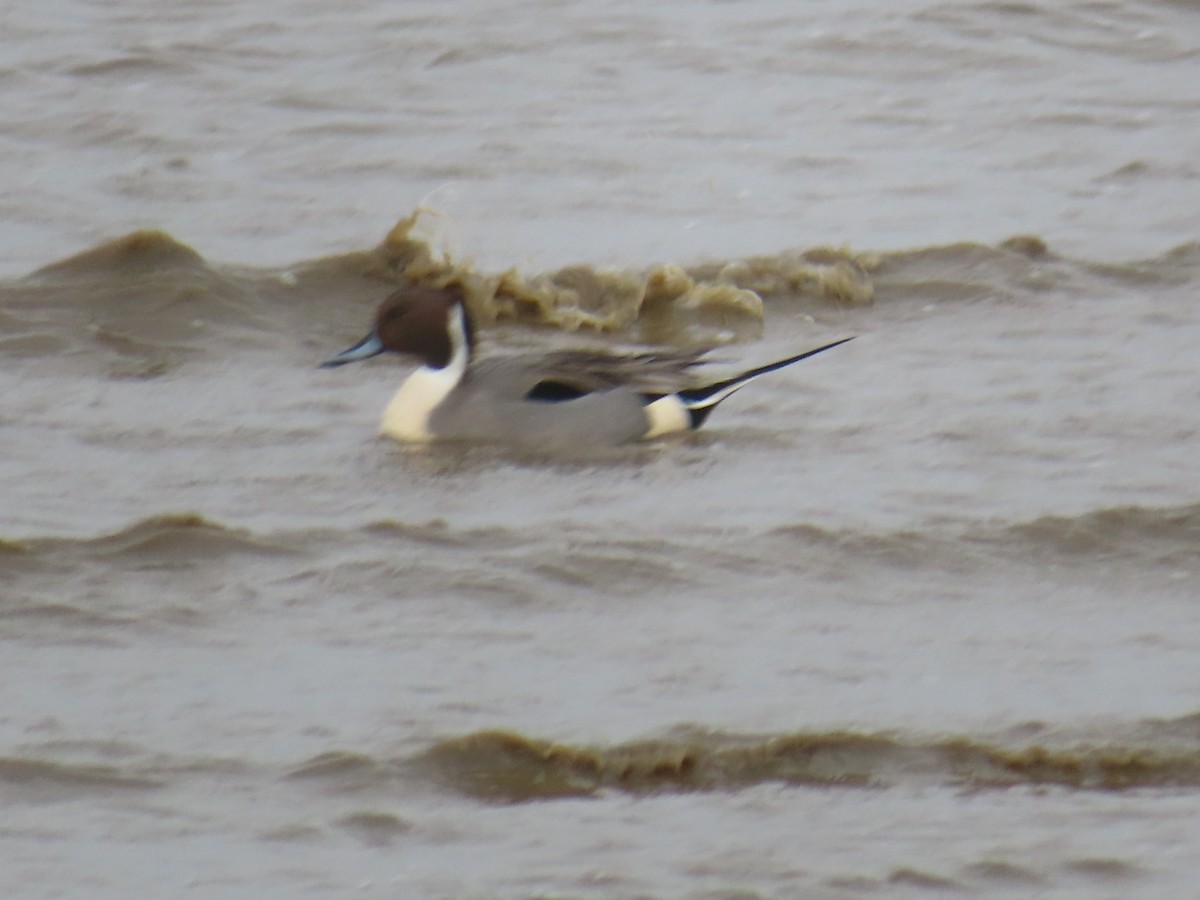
919	615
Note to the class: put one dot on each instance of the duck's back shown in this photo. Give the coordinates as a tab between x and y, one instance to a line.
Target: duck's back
493	403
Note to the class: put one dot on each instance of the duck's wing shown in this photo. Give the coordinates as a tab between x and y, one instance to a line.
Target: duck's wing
570	374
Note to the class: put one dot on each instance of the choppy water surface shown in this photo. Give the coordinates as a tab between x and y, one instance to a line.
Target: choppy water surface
917	615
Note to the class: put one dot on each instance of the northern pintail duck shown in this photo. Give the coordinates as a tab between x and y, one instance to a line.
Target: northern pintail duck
566	398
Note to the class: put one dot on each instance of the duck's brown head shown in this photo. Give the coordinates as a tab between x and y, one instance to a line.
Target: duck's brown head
429	323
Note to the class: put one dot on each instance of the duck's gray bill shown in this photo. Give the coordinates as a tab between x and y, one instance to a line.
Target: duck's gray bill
364	349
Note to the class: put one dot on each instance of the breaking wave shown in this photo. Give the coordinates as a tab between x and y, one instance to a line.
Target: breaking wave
145	302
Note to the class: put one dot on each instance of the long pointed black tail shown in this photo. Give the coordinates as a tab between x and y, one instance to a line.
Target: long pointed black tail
703	400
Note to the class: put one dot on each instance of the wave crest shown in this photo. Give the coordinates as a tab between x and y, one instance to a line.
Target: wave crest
502	766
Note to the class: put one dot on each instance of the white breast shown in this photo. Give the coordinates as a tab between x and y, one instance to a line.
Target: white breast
406	417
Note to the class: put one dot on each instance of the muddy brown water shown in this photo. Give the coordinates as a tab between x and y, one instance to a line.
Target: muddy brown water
919	614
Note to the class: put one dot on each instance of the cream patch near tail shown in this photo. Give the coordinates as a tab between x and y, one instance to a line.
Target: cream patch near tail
667	415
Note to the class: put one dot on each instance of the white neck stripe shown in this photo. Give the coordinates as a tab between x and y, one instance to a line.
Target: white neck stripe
406	417
460	352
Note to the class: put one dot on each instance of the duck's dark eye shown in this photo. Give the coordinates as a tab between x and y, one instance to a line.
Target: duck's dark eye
556	391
